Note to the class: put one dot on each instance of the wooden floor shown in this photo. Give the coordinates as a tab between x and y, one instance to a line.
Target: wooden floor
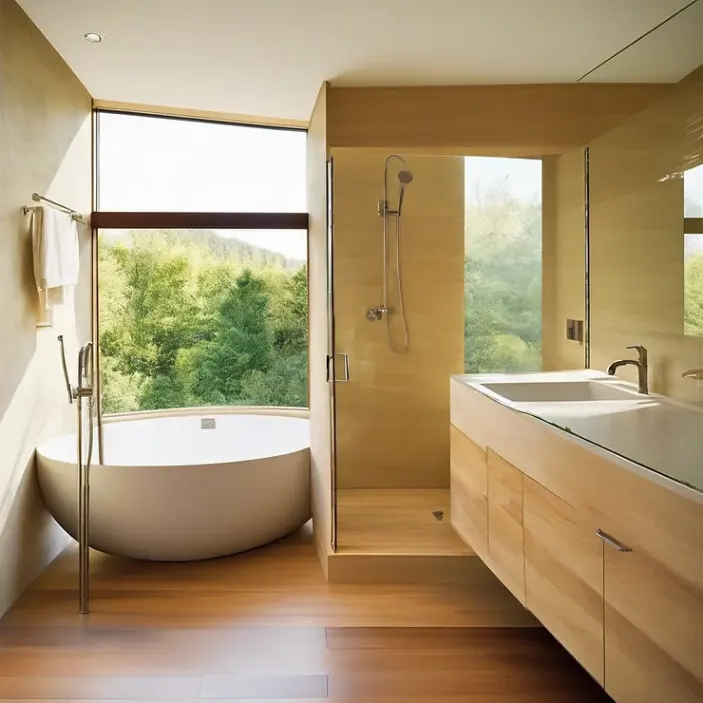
265	625
396	521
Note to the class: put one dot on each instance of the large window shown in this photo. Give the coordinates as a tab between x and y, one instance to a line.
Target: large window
503	265
693	251
205	316
193	318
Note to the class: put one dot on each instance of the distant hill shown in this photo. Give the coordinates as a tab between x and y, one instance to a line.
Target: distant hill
224	248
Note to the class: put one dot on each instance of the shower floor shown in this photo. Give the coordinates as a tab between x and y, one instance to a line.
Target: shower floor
396	521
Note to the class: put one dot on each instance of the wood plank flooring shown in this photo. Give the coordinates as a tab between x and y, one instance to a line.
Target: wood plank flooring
265	626
396	521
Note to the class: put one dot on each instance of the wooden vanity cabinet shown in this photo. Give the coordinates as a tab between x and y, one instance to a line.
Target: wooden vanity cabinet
564	575
505	533
469	491
612	556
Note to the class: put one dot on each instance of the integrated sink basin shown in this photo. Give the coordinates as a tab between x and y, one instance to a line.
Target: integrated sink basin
604	411
560	391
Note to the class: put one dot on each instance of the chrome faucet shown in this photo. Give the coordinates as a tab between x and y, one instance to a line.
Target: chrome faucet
84	390
641	364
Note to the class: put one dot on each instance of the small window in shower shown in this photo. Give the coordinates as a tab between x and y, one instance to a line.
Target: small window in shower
503	265
191	318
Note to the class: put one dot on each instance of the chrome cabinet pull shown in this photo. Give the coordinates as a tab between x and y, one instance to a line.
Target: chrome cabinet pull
612	541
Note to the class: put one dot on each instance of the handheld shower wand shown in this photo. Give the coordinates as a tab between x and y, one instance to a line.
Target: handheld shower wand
385	211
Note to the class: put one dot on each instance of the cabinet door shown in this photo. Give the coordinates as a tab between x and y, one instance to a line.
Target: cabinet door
654	605
469	486
564	574
505	540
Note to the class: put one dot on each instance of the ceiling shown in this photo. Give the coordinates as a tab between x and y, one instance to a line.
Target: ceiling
268	58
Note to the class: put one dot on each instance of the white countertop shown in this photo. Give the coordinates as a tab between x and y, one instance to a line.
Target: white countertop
653	431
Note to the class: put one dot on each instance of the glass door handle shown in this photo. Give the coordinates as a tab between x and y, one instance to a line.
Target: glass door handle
345	377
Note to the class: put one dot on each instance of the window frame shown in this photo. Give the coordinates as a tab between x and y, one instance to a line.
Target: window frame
106	220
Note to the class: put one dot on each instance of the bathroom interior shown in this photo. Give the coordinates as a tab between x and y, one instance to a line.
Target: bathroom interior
396	399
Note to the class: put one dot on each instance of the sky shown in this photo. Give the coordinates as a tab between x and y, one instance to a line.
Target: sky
693	187
166	165
149	164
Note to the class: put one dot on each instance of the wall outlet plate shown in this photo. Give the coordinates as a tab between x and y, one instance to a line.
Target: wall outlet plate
207	423
574	330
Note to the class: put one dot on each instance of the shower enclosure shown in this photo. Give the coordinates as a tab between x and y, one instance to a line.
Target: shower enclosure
397	256
434	269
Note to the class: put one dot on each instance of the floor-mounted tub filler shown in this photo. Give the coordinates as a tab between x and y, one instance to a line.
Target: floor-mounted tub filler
185	487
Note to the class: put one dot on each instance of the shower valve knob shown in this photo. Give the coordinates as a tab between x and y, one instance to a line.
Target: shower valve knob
375	314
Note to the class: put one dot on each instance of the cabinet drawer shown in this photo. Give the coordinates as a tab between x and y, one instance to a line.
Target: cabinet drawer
654	596
505	539
469	489
564	574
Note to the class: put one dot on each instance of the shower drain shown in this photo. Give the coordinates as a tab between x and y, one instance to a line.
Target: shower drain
438	515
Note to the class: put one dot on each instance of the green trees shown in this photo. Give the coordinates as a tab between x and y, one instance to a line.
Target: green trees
192	318
693	294
503	283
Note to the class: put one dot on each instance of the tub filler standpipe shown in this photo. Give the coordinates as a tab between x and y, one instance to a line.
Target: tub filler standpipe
84	390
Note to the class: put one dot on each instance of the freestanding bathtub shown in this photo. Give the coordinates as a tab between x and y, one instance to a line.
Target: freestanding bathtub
171	490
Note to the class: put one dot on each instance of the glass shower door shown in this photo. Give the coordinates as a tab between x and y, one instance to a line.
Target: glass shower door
332	356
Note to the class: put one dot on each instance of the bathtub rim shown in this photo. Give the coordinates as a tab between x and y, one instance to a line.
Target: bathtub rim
214	410
273	410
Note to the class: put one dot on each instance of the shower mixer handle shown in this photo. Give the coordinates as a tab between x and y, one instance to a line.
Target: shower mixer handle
376	314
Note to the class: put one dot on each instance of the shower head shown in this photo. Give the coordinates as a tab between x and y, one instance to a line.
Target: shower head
405	176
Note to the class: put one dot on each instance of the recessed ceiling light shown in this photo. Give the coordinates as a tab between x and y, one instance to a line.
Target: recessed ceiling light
92	37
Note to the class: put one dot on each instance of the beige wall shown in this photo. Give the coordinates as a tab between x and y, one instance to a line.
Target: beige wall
320	410
637	239
44	147
552	118
563	258
393	415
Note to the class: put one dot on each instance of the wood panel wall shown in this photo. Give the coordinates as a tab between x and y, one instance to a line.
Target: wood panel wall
563	258
44	147
554	118
392	416
637	239
320	417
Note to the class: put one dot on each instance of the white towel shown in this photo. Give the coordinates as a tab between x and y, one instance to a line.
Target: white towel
55	247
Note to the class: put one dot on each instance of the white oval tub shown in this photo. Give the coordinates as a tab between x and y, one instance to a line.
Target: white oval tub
171	491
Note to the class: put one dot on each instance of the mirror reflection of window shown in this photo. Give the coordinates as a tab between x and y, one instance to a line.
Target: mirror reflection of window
693	251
